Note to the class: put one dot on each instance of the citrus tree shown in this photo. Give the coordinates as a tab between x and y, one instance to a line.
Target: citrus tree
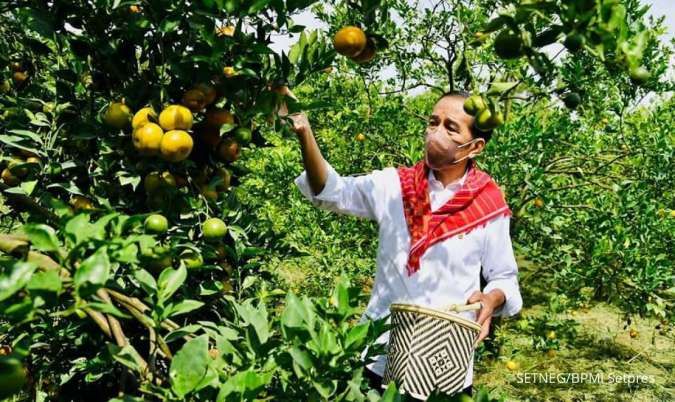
132	255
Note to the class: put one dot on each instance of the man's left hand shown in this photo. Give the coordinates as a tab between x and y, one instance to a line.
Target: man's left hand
491	301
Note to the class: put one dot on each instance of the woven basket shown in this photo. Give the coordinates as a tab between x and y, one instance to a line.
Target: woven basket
429	349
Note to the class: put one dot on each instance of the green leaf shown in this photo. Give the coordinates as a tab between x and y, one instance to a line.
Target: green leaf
41	236
16	280
49	281
78	228
184	307
127	356
169	281
146	280
94	270
391	394
189	365
257	317
357	335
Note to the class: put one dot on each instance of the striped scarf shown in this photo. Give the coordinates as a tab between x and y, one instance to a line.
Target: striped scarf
475	203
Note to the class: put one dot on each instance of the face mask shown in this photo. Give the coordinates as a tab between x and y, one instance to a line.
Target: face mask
440	150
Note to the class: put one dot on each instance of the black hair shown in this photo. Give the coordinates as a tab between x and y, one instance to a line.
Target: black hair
475	131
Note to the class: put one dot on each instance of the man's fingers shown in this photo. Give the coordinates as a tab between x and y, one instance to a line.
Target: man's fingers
476	296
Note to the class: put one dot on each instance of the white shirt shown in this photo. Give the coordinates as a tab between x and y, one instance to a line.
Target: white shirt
449	270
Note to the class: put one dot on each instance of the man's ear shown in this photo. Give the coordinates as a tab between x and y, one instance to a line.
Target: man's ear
477	147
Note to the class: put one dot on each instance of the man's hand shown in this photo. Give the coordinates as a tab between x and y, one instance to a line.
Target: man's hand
300	122
491	301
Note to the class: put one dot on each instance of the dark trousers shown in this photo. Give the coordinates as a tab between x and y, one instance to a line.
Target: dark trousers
376	383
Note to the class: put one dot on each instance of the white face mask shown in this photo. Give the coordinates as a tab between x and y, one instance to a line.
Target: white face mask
440	150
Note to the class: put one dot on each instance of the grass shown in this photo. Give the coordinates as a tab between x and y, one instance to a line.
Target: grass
602	348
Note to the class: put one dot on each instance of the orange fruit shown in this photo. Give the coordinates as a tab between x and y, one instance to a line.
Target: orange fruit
156	223
367	54
360	137
19	77
214	228
208	192
117	115
194	99
227	30
225	176
349	41
155	180
511	365
229	71
228	150
175	117
208	91
143	116
134	9
9	179
209	135
218	117
81	203
633	333
176	145
538	202
147	139
551	335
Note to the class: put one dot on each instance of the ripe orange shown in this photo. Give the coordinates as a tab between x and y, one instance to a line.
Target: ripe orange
134	9
176	145
511	365
9	179
194	99
227	30
229	71
209	92
349	41
16	66
218	117
175	117
228	150
143	116
81	203
367	54
538	202
360	137
214	228
156	223
633	333
550	335
147	139
117	115
19	77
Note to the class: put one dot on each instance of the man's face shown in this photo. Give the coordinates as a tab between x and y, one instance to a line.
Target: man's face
449	113
448	134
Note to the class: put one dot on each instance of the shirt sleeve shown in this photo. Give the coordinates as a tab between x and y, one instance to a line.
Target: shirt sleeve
348	195
499	266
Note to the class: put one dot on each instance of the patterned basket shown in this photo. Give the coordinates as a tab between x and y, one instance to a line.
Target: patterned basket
429	349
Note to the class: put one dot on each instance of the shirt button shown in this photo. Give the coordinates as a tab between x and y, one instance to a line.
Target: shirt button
461	235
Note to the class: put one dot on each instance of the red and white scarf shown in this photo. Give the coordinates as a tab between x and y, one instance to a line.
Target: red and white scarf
475	203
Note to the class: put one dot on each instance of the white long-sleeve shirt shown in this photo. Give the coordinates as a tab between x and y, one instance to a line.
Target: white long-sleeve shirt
449	270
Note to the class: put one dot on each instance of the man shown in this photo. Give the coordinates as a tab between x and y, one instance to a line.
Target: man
439	222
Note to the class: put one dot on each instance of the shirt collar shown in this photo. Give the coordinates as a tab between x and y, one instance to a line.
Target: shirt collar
437	185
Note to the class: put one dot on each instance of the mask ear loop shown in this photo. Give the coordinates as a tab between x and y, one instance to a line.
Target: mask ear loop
460	146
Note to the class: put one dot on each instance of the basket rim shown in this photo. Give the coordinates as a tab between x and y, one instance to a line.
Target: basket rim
414	308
